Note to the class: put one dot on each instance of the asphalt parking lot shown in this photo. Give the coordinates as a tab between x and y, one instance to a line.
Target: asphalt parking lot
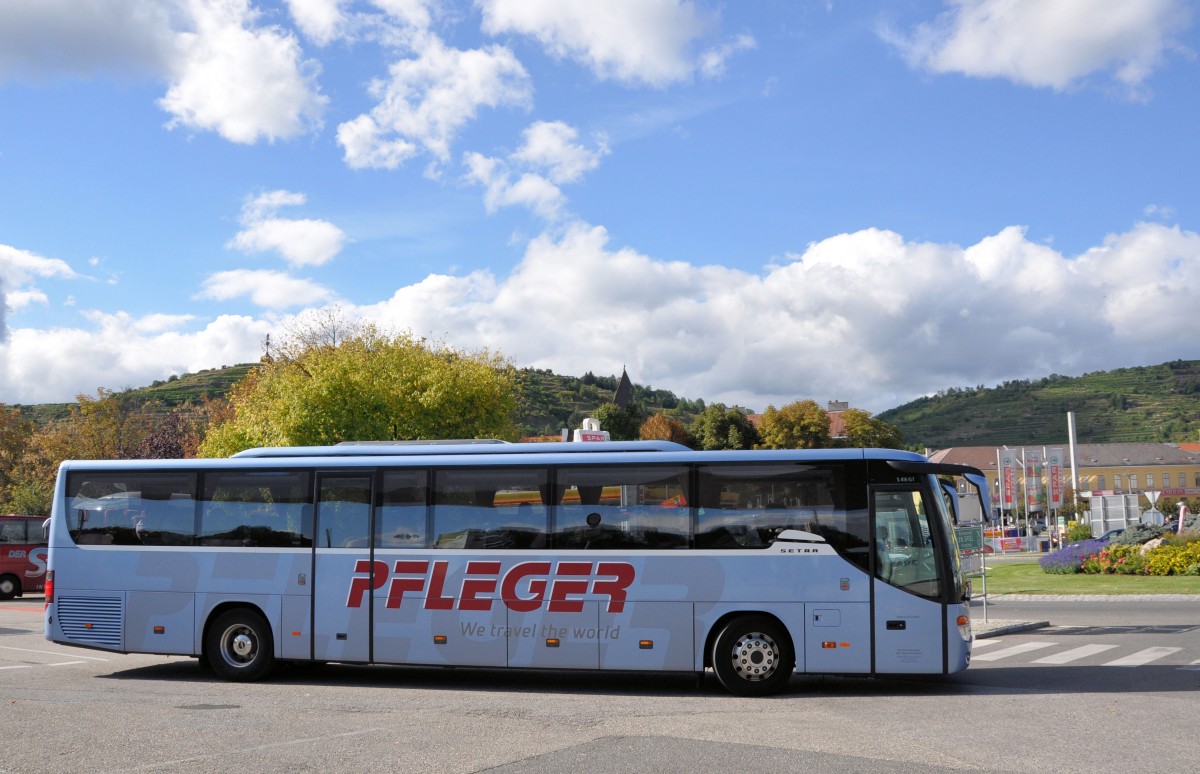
73	710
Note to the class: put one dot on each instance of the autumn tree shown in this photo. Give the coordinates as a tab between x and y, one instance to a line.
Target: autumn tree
330	381
109	426
14	434
799	425
864	431
718	427
662	428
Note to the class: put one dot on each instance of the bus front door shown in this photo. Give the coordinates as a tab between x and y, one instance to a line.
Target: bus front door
909	616
341	541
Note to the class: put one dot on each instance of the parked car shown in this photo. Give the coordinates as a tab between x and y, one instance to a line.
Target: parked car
1112	533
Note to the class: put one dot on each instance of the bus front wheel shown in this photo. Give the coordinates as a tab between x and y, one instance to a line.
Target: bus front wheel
753	656
9	586
239	645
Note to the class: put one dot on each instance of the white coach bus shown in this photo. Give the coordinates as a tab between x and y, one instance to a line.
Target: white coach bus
612	556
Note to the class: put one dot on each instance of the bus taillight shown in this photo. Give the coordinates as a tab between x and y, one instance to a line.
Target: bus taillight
49	587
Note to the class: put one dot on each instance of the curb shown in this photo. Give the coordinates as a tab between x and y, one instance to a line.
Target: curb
997	628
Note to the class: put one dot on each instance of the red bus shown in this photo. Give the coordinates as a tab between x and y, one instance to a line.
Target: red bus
22	555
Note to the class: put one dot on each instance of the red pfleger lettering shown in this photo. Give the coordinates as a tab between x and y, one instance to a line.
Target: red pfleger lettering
525	587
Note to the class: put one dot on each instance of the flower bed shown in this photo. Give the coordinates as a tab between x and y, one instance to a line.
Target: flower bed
1175	556
1069	559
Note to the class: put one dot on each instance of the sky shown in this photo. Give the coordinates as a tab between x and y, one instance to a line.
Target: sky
751	202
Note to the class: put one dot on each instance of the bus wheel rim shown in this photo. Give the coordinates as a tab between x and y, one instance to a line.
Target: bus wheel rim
239	646
755	656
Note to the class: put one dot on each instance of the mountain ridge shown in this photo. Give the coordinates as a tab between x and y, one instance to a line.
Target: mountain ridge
1137	404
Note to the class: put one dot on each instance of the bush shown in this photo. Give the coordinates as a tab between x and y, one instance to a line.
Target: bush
1070	558
1174	558
1138	534
1078	531
1117	560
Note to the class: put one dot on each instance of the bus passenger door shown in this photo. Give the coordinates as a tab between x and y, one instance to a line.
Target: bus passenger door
341	544
908	614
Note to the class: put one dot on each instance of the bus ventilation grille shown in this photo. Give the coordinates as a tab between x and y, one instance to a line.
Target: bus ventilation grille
96	620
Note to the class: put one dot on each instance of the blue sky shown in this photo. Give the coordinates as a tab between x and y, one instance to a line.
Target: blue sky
750	202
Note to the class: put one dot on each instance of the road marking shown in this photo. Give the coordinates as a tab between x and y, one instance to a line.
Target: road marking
1144	657
1024	647
18	666
64	663
50	653
1067	656
985	643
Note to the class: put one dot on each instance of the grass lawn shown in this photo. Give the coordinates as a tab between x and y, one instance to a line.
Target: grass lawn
1028	578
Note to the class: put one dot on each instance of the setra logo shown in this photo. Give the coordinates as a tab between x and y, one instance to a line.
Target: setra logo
523	589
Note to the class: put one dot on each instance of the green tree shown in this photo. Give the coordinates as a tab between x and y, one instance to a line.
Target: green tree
799	425
718	427
864	431
622	424
331	381
662	428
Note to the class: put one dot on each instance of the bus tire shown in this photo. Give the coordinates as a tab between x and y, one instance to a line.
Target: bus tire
239	645
753	656
9	586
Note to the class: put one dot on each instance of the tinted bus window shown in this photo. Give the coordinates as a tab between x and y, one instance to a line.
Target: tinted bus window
626	507
490	508
135	508
344	515
400	518
254	509
12	531
746	506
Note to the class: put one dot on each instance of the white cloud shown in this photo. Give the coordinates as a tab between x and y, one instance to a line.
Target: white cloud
42	39
224	73
301	242
41	366
634	41
428	99
712	62
18	269
531	176
1048	43
244	82
322	21
551	145
866	317
269	289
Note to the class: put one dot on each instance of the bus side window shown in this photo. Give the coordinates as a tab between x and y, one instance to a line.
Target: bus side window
632	507
12	531
400	519
490	508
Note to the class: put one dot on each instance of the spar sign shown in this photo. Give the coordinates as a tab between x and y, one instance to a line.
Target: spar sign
1054	476
1008	479
1033	481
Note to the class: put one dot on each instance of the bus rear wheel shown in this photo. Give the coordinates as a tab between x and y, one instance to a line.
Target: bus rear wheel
239	645
753	656
9	586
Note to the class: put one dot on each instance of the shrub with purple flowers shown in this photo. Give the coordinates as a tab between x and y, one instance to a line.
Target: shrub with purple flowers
1070	558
